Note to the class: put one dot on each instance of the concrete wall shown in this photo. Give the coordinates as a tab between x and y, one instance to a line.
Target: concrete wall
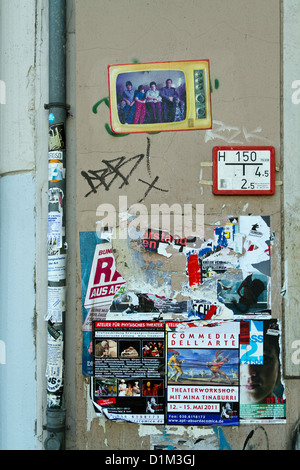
23	200
291	152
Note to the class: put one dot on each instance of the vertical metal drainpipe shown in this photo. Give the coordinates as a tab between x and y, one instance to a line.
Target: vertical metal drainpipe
57	246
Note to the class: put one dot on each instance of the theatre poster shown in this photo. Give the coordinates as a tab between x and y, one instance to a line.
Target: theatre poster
203	373
129	371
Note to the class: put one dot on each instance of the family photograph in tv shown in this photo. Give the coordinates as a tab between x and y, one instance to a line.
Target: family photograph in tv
151	97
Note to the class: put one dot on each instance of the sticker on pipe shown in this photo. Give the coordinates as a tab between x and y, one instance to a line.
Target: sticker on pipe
244	170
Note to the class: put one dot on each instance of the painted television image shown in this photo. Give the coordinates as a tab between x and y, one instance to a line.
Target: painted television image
155	97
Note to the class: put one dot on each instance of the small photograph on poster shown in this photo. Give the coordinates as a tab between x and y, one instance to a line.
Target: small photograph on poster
262	394
129	387
153	388
153	348
106	387
128	374
159	96
106	348
203	374
130	348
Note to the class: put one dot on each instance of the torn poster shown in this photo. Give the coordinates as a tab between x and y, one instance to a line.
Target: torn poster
104	280
54	357
56	267
56	303
245	296
256	233
129	372
56	171
212	258
203	374
238	260
225	236
262	392
134	305
157	241
100	281
247	291
55	229
217	263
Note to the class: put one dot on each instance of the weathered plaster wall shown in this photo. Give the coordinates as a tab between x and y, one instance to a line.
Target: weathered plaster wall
242	41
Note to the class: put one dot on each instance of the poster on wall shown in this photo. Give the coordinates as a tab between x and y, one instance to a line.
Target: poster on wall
188	373
100	281
159	96
262	392
129	371
203	373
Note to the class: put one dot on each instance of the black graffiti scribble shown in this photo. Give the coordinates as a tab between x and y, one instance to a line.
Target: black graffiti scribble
119	169
151	185
114	169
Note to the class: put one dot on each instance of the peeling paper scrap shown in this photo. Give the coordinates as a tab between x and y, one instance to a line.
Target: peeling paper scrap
155	240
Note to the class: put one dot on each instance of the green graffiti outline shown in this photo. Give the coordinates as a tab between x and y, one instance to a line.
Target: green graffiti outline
106	125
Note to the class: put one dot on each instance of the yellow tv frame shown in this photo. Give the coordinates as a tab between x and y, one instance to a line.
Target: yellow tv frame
197	102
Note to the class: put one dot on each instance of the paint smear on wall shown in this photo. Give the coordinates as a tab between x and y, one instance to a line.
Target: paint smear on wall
194	270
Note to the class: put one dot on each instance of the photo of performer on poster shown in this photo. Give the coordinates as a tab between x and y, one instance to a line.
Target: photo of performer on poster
203	366
262	393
